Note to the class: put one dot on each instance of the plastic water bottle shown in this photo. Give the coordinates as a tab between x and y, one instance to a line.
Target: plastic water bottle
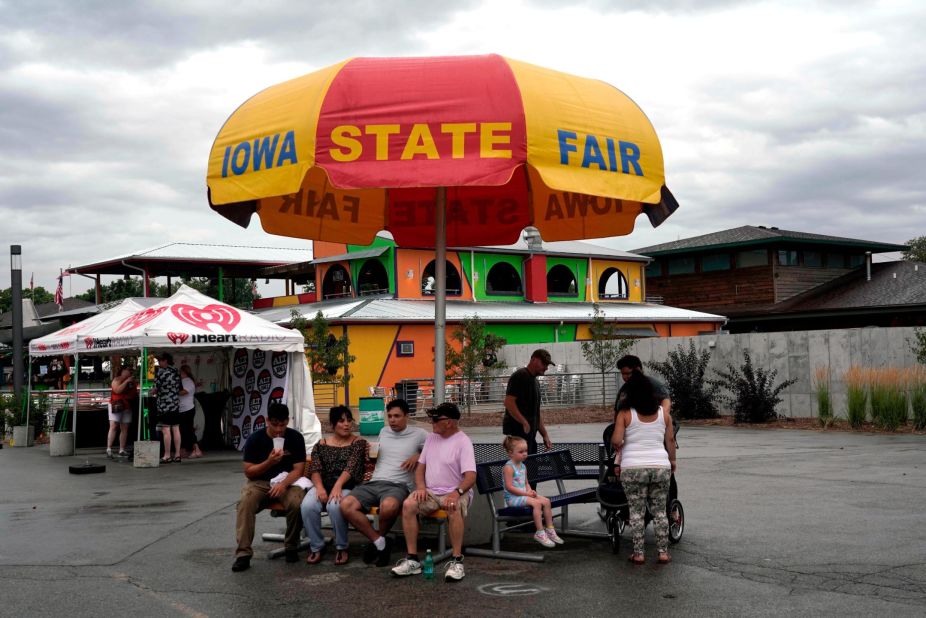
428	566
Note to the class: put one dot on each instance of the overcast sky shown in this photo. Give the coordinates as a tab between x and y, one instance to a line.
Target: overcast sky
802	115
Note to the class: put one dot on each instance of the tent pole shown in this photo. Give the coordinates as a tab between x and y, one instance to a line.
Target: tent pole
440	296
74	381
141	390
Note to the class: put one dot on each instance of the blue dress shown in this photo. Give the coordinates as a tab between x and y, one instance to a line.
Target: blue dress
519	480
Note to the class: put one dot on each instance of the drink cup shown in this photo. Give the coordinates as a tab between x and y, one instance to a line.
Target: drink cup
278	443
374	450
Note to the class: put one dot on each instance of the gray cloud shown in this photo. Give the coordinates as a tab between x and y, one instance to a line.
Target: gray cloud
105	129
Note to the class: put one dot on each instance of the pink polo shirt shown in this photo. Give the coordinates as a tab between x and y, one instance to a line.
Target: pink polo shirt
446	459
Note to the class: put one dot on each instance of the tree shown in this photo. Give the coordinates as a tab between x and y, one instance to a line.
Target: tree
240	295
477	355
917	250
605	347
327	354
919	345
39	296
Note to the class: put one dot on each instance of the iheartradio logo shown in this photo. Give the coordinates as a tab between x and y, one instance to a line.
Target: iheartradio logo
221	315
141	318
177	338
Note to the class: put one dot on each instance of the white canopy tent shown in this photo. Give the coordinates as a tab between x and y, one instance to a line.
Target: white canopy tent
191	320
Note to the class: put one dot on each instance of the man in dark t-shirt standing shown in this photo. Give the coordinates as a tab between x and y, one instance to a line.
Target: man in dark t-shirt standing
522	402
264	461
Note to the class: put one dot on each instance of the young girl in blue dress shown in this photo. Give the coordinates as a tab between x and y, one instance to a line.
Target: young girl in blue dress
519	493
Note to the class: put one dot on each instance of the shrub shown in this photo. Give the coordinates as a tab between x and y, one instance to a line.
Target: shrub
750	392
821	387
857	394
684	372
888	398
918	397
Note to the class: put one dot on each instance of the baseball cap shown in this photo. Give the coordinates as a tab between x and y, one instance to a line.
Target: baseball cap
445	410
543	355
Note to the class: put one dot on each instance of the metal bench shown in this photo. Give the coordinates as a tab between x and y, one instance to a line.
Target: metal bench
555	466
587	457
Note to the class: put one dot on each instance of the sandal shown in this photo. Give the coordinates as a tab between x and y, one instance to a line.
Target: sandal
314	557
664	557
166	460
341	557
636	559
176	460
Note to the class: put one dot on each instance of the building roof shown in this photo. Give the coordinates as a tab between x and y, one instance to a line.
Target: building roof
196	259
749	235
564	248
898	286
380	309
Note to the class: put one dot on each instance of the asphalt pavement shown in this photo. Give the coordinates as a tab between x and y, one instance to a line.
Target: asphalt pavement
778	522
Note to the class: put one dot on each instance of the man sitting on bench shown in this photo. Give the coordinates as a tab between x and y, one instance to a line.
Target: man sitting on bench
392	481
444	478
263	460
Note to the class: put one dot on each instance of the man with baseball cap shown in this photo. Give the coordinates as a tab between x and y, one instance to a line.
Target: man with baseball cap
444	479
522	402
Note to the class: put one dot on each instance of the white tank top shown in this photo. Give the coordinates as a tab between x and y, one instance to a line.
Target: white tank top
644	443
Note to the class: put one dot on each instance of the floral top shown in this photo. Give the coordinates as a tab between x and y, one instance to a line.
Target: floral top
330	461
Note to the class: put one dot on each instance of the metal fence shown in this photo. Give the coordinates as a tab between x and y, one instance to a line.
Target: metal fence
557	390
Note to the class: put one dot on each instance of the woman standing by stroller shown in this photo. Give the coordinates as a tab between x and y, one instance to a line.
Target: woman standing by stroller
645	453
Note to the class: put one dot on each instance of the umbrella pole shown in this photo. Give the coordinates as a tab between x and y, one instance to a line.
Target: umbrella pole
440	296
29	396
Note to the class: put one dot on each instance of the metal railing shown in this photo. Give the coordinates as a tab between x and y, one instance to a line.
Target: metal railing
557	390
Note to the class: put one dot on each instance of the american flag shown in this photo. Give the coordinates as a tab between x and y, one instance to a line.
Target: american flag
59	293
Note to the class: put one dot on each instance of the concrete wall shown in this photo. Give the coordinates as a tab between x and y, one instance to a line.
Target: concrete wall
794	354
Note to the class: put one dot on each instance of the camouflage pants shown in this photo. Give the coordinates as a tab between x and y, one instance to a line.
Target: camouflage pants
647	487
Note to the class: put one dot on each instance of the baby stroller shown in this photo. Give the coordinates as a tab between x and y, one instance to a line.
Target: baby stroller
614	509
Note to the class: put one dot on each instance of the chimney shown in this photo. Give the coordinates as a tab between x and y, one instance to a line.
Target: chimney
532	238
868	266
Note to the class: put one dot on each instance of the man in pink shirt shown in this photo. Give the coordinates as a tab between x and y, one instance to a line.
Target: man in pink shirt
444	479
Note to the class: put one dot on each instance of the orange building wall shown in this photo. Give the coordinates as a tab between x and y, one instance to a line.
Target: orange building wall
633	272
414	262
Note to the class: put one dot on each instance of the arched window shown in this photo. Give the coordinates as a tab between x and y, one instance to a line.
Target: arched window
561	281
429	284
613	285
503	280
373	278
336	283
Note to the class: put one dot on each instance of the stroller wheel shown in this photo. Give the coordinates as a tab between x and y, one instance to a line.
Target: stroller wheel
615	527
676	516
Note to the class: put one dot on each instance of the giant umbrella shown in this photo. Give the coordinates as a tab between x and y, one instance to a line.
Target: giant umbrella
464	151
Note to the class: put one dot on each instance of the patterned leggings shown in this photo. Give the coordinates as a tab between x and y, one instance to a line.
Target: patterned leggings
647	486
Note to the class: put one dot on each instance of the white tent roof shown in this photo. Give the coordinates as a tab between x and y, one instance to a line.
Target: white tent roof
188	319
69	339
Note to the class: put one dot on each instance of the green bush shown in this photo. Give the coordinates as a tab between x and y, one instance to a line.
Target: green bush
822	392
857	400
751	393
918	403
684	372
888	405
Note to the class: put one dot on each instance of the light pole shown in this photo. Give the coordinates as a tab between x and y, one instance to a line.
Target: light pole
16	282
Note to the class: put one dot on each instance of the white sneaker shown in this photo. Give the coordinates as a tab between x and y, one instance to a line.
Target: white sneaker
454	571
551	534
541	537
109	453
406	566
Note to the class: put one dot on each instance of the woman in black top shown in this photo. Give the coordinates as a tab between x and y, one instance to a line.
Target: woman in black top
337	465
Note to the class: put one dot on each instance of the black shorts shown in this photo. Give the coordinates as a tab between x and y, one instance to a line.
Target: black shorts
371	493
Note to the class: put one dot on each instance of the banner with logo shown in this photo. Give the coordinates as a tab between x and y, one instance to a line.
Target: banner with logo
258	378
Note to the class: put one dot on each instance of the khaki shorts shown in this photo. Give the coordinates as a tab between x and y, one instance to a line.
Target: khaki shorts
433	503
